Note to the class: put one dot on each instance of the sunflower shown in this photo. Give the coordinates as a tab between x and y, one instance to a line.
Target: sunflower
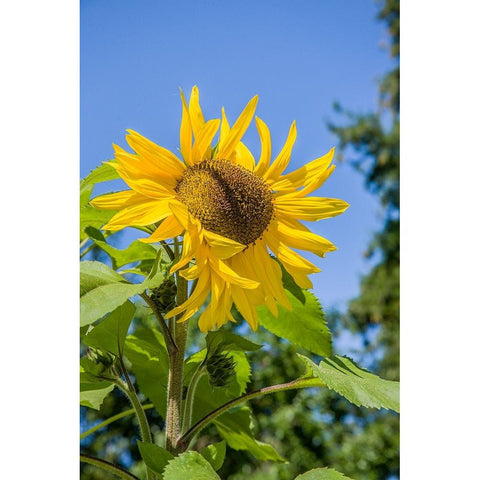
233	212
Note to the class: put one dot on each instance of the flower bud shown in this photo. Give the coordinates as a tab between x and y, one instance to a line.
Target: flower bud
164	295
104	361
220	369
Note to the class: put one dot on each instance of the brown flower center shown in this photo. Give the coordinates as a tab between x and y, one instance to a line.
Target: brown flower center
227	198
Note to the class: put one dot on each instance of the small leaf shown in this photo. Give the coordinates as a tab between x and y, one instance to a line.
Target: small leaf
188	466
103	173
234	427
95	274
322	474
135	252
155	457
105	297
304	325
109	335
90	216
93	392
359	386
222	340
215	454
85	193
147	353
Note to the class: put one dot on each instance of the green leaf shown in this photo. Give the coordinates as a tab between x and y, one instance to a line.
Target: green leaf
359	386
109	335
215	454
93	392
322	474
155	457
95	274
188	466
85	193
135	252
304	325
103	173
90	216
290	285
222	340
149	358
105	297
234	427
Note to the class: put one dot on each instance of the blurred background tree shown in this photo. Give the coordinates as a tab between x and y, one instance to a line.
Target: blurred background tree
315	428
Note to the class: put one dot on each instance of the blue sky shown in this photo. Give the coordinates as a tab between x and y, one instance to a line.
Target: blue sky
298	56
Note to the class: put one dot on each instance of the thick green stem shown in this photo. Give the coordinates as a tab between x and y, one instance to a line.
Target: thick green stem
108	467
187	416
186	438
175	375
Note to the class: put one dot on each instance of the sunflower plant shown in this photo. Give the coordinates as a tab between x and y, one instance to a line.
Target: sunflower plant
218	239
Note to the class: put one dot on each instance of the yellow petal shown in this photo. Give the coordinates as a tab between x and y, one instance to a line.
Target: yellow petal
181	213
224	129
287	256
281	162
245	307
266	143
144	213
204	139
191	273
239	128
316	183
185	132
169	228
270	274
244	157
305	174
309	208
229	275
196	115
304	240
115	201
165	160
196	299
222	247
190	246
145	186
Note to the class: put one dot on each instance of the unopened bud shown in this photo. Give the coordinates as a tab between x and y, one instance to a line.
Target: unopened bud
104	360
164	295
220	368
